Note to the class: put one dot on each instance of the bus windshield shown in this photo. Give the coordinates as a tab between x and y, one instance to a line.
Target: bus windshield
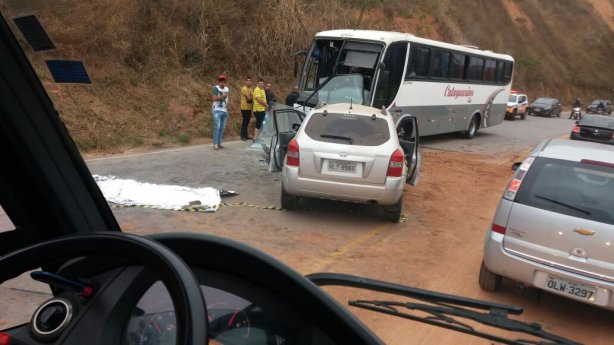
342	88
355	61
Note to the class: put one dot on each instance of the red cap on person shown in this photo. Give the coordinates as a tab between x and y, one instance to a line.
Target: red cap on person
222	77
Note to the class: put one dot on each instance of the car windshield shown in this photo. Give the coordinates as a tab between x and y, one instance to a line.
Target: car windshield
513	99
577	189
348	129
597	121
544	101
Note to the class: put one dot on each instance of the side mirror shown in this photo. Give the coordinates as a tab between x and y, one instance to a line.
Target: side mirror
297	55
516	165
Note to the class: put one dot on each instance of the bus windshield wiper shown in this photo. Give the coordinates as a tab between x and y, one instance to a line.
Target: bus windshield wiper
340	137
586	212
443	310
315	92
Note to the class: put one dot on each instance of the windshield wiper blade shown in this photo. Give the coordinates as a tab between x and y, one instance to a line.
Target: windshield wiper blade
340	137
315	92
443	310
586	212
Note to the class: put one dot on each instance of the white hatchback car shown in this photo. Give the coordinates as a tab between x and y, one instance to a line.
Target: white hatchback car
554	227
352	153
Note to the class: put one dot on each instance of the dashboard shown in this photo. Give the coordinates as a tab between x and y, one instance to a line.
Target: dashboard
237	313
260	302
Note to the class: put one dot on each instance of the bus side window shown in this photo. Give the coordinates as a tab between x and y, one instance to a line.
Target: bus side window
507	72
392	75
490	68
500	68
440	63
418	62
457	67
475	68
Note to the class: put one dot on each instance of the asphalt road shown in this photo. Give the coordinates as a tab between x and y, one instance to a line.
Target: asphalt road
509	136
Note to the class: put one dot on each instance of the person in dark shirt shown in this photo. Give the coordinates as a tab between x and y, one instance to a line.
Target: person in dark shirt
270	95
292	97
577	103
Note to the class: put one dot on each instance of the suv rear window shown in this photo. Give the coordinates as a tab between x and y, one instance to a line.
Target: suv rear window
572	188
348	129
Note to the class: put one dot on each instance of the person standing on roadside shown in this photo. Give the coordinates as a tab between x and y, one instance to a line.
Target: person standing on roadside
292	97
270	95
220	110
260	105
247	104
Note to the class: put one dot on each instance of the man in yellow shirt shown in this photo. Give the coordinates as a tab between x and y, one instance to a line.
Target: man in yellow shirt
247	104
260	105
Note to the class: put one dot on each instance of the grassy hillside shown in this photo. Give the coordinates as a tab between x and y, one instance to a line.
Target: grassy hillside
153	63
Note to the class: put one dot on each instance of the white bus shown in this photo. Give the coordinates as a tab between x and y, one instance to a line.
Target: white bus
447	87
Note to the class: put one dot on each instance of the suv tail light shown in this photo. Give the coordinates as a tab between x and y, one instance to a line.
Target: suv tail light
395	166
514	185
292	156
576	129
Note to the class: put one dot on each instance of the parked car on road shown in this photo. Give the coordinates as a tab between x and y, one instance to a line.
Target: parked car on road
352	153
554	226
595	128
517	105
545	106
600	106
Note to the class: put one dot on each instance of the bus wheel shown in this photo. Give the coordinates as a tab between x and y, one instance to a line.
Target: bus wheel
472	129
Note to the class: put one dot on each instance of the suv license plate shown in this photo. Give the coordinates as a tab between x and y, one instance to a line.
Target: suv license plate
345	167
570	288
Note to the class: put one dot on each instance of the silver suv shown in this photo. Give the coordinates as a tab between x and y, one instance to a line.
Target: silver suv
554	227
352	153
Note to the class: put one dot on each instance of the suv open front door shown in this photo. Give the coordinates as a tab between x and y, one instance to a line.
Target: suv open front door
407	130
285	123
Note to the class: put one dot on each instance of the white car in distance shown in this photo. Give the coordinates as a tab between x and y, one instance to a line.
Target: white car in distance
352	153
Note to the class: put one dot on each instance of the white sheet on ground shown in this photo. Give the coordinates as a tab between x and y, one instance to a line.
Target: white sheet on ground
171	197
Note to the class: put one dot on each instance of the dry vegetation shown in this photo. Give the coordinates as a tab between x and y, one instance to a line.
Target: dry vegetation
153	62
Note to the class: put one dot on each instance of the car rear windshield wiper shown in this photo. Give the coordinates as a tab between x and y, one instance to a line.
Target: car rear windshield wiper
443	310
340	137
586	212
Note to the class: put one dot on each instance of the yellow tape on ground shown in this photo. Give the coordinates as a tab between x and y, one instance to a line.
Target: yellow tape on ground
209	210
244	204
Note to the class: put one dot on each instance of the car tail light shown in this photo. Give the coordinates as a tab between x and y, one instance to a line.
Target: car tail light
576	129
498	229
395	166
292	156
514	185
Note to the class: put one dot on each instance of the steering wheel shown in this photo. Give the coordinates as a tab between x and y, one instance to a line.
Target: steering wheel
182	286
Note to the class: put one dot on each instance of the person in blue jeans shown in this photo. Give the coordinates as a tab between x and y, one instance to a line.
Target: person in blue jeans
219	108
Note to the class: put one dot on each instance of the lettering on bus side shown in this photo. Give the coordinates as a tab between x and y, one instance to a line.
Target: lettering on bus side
450	91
